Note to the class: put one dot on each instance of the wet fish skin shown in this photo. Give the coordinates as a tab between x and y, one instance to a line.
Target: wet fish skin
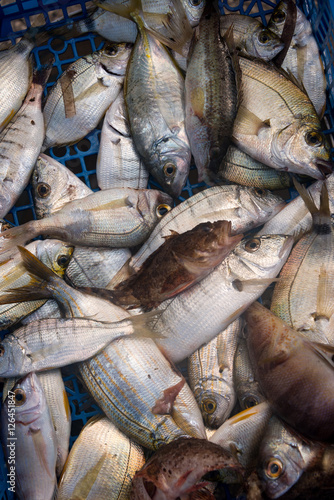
242	434
285	131
118	163
96	80
59	407
16	77
198	314
295	375
244	207
183	260
154	96
251	36
283	458
113	461
35	444
20	144
238	167
178	466
133	382
211	101
54	185
111	218
303	57
210	372
246	387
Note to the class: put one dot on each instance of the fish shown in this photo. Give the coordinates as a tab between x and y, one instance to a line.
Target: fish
118	163
110	218
283	457
303	296
277	124
20	144
80	97
303	58
183	260
245	207
154	97
141	393
295	375
211	101
175	469
251	36
198	314
113	461
28	436
54	253
16	71
210	372
54	185
247	388
240	168
242	434
59	407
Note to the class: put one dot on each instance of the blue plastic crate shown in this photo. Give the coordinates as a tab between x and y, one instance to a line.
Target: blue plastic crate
81	157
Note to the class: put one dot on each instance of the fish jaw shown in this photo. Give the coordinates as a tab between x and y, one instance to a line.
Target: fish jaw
172	166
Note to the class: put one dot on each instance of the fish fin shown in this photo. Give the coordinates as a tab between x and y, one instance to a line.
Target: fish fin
34	266
41	76
123	274
16	236
305	195
120	203
164	405
171	235
141	324
324	294
68	95
248	122
119	8
271	362
248	285
322	223
229	39
296	82
324	351
84	486
287	33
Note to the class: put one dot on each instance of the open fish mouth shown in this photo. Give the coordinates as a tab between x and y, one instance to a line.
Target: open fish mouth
325	167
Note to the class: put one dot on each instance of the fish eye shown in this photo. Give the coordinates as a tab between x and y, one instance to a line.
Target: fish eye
209	406
274	468
162	210
195	3
43	189
260	192
278	17
20	397
264	37
111	50
2	350
253	245
169	170
63	260
314	138
250	401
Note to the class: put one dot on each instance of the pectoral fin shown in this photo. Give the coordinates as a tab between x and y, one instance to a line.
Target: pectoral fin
248	123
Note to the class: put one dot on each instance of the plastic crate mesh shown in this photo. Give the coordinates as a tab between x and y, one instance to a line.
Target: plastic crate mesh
18	15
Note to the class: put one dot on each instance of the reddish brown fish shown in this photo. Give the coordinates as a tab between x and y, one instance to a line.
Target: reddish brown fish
175	470
183	260
295	374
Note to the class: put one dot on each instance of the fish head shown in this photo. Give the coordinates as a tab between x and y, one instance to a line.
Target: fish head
153	204
301	147
28	398
113	58
250	396
194	10
12	356
278	18
55	254
283	458
264	44
260	203
216	407
54	185
172	163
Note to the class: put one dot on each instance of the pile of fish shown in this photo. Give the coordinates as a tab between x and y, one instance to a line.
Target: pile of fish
154	306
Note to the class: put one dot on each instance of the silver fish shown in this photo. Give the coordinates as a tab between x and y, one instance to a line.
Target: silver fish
89	86
33	442
118	163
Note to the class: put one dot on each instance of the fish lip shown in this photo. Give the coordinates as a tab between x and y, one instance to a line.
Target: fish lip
325	167
287	245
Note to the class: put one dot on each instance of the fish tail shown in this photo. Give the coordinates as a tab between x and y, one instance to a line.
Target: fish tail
119	8
321	216
16	236
41	76
143	325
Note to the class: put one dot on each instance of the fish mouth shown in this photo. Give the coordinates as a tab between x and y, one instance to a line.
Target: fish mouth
286	247
325	167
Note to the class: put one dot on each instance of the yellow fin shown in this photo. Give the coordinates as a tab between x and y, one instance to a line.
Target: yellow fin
120	8
110	205
248	122
84	486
